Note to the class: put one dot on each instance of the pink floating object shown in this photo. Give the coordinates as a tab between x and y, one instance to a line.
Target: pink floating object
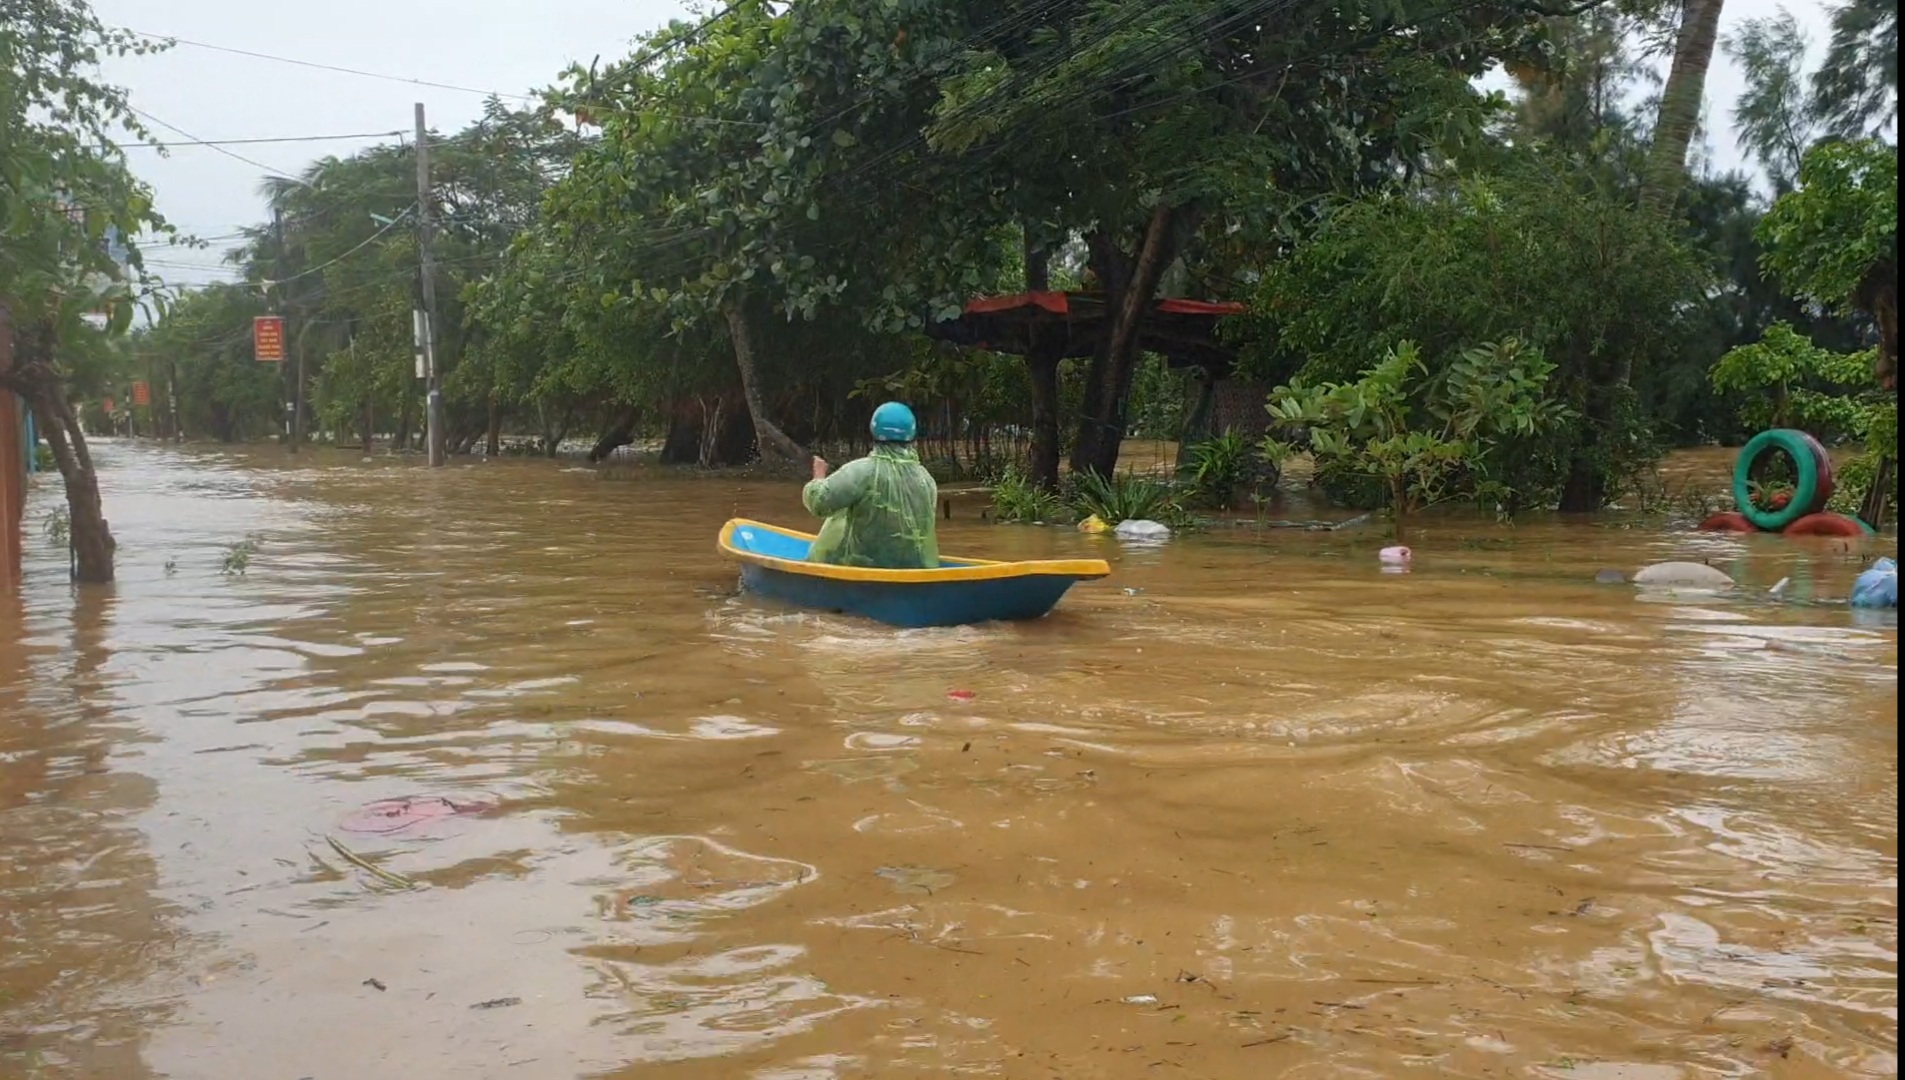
960	695
1395	556
395	815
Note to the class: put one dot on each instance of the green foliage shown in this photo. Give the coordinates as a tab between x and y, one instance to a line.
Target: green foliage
1835	240
238	555
1784	380
58	526
1425	437
1218	466
1855	477
1856	89
1158	400
1127	497
1541	252
1775	114
65	193
1017	499
204	348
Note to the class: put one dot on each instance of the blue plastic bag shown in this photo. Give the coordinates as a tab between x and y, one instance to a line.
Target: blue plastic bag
1877	587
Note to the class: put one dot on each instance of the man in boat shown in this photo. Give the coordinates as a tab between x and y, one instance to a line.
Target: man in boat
878	511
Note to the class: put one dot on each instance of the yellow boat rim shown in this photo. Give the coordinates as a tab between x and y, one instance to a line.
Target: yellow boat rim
970	570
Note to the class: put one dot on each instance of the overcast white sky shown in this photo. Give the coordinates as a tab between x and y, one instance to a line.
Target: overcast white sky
510	46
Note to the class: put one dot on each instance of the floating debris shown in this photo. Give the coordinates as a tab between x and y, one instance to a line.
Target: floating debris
396	815
1140	999
378	872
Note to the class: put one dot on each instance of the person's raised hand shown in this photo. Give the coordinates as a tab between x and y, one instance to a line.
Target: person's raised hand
820	468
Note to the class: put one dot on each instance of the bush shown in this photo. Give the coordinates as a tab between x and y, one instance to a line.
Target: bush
1129	497
1017	500
1423	437
1217	468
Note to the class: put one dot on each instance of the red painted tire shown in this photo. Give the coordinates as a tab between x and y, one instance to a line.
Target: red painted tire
1728	521
1826	525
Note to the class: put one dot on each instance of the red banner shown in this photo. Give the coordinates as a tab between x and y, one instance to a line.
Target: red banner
267	339
141	394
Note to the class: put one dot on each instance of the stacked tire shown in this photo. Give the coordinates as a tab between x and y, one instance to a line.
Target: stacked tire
1814	480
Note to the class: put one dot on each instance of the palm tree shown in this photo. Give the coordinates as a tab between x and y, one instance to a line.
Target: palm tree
1680	101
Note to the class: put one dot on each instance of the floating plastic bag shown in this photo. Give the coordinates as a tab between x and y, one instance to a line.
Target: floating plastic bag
1140	529
1877	587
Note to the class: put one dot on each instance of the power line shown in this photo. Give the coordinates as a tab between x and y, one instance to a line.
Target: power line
325	67
269	171
372	238
215	143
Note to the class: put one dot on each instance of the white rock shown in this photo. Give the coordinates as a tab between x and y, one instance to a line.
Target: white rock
1684	575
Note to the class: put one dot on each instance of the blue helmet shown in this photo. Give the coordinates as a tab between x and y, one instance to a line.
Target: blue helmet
893	422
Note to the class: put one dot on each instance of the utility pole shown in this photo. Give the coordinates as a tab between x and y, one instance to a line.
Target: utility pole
427	324
297	394
278	308
172	397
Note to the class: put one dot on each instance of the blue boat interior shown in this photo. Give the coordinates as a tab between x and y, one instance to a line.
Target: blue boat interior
775	544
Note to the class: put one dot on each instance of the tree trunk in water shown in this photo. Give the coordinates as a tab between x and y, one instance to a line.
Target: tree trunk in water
619	434
370	423
1044	372
493	443
1041	362
35	381
682	446
1883	304
1872	509
402	439
1127	302
766	435
1680	101
730	437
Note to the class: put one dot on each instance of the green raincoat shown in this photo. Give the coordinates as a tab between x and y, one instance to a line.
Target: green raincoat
879	512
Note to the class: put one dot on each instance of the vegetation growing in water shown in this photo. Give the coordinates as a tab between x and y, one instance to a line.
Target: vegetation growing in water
1218	468
1425	439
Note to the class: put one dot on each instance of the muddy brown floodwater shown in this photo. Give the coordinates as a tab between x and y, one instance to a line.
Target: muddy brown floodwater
1248	809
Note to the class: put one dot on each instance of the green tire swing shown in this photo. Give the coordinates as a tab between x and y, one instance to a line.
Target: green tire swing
1811	492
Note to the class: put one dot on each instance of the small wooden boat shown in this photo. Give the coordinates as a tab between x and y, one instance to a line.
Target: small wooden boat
960	591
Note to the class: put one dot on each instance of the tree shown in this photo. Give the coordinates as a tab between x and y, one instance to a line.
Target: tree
1834	240
1776	115
1540	251
204	344
1139	126
1856	89
66	200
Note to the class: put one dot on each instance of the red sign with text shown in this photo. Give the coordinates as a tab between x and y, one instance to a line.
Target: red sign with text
267	339
141	394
